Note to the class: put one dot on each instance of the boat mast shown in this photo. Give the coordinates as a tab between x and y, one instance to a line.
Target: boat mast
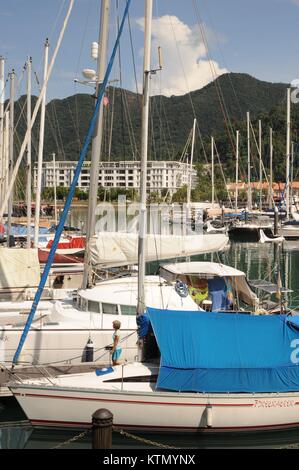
54	185
189	187
6	154
40	151
288	151
271	169
260	166
237	171
2	166
144	150
28	186
11	150
96	140
249	199
292	175
213	183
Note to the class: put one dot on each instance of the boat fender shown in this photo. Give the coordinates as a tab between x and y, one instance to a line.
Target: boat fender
89	349
209	416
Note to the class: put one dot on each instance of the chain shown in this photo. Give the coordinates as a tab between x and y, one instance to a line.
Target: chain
290	446
73	439
144	441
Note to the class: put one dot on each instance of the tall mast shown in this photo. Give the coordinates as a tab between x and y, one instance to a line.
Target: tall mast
54	185
189	187
237	171
249	198
40	151
144	150
271	169
260	164
28	187
292	175
288	151
213	183
11	150
2	168
6	153
97	139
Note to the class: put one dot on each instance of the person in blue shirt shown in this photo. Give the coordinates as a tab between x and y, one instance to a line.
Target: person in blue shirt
116	350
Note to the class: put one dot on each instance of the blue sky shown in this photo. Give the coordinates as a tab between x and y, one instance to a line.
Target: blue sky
259	37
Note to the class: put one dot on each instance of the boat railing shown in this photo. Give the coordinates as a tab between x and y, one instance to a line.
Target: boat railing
22	373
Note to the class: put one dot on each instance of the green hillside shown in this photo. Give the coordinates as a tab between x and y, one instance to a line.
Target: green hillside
171	120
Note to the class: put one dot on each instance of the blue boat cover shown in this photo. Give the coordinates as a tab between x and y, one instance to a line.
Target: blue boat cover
223	352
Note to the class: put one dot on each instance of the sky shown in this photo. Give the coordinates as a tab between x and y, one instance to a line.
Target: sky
259	37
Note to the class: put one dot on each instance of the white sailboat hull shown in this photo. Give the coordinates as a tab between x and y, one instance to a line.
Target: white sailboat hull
161	411
140	406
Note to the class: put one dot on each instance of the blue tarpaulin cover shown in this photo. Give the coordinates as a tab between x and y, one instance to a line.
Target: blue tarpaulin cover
223	352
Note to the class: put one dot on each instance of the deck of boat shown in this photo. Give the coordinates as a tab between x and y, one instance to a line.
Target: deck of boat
35	372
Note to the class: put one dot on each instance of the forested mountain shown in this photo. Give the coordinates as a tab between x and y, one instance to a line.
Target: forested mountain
220	109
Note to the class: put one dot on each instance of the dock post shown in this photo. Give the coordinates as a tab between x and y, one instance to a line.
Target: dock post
102	421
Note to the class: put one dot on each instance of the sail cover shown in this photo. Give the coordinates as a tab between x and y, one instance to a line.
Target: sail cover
215	352
120	249
19	268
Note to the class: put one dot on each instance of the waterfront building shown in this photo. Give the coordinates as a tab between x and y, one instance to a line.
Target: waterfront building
169	175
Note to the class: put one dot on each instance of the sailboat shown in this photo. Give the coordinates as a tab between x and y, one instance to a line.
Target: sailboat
217	372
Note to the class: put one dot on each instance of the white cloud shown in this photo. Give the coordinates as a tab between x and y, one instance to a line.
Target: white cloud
185	63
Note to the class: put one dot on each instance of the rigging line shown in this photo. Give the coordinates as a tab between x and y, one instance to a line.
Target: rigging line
154	105
35	111
52	125
171	140
70	195
215	146
111	124
121	84
76	112
57	128
187	86
129	124
263	167
133	59
225	63
152	136
217	85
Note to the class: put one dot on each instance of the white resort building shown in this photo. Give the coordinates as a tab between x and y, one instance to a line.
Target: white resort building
169	175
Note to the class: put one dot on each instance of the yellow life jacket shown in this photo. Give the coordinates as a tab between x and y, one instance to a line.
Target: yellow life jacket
198	295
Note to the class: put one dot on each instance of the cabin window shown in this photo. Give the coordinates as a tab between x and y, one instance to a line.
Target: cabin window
110	309
93	306
128	310
81	303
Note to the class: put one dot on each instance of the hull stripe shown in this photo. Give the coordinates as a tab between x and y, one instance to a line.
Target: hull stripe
133	402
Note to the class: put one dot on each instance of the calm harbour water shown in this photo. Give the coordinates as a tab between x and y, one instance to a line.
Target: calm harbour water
258	262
